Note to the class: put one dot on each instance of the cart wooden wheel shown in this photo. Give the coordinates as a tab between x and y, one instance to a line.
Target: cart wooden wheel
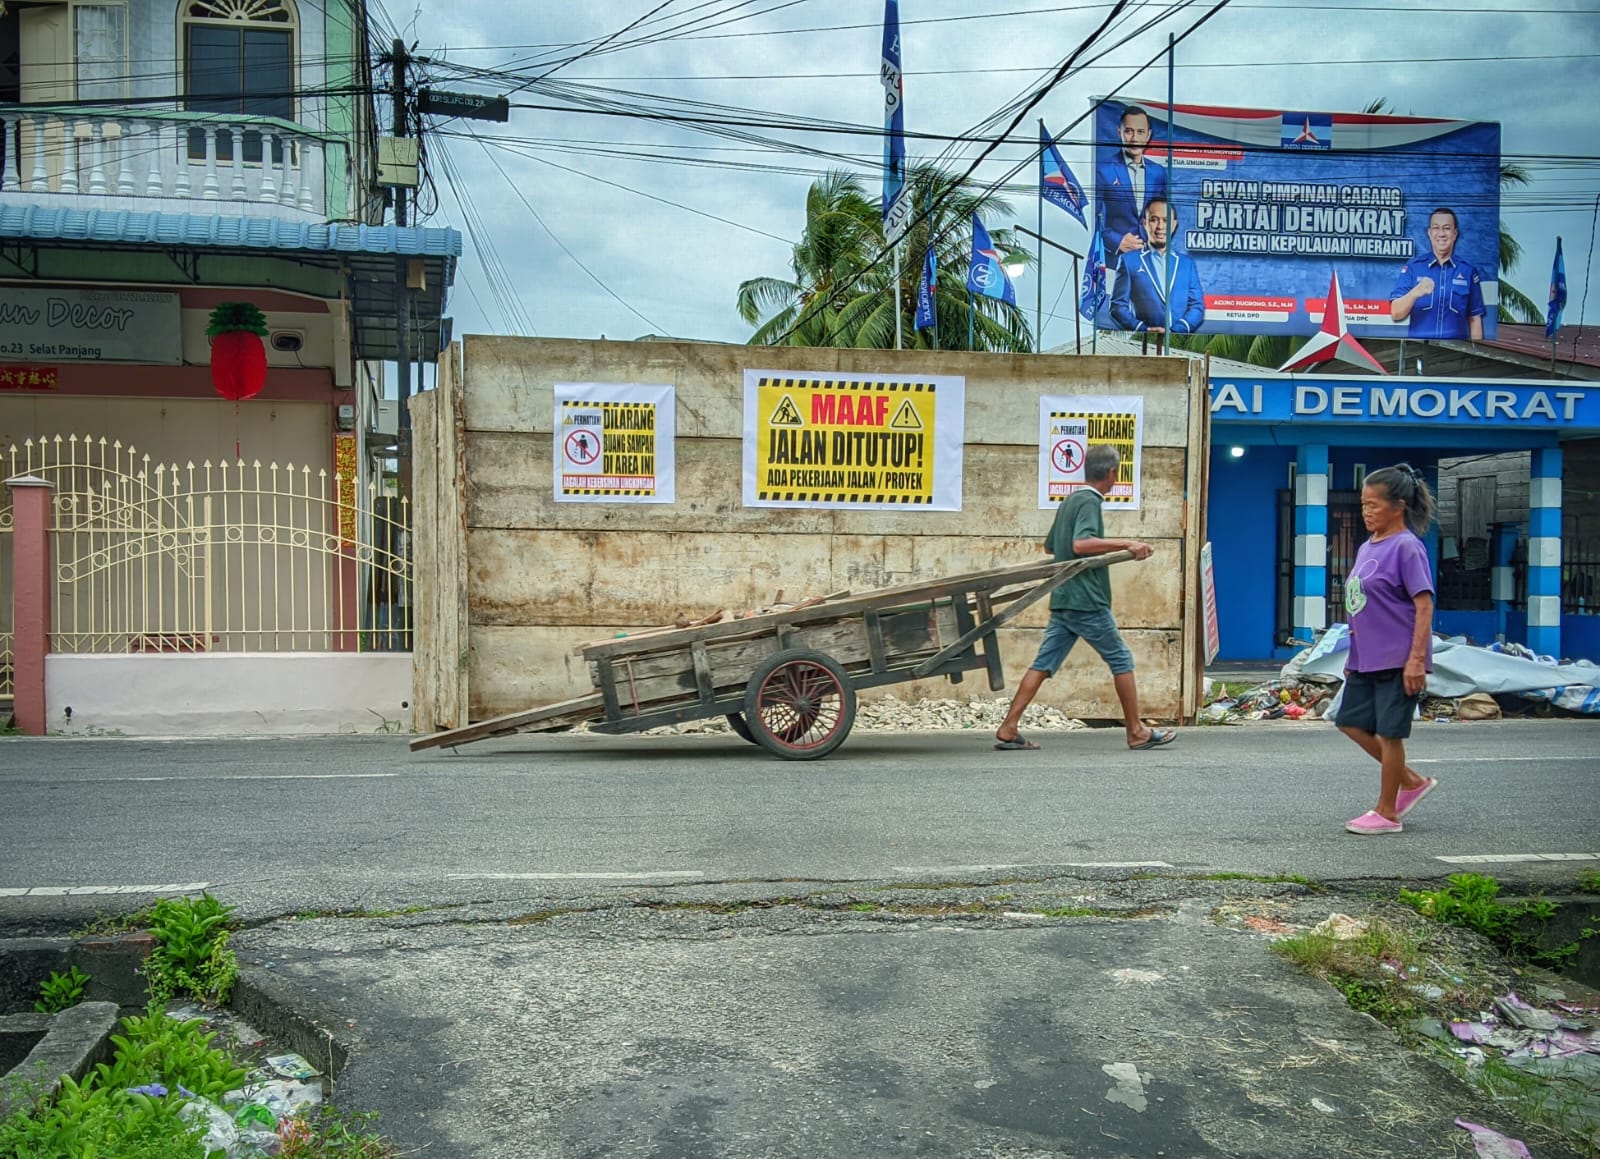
799	705
736	722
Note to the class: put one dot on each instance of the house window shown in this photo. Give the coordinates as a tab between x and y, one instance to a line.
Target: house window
238	61
101	35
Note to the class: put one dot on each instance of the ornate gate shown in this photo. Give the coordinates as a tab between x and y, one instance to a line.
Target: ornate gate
225	556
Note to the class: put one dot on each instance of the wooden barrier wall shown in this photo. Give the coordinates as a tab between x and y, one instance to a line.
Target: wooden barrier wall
509	580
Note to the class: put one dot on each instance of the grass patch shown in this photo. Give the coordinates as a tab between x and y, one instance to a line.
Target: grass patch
1589	881
104	925
1264	878
1092	911
1375	971
537	917
317	914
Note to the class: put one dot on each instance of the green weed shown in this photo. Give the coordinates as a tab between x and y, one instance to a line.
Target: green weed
191	954
1589	881
61	991
1472	901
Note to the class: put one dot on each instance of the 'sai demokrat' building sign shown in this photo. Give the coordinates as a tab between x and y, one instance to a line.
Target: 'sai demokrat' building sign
1457	403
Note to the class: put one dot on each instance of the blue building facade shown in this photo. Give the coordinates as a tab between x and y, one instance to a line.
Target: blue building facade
1283	517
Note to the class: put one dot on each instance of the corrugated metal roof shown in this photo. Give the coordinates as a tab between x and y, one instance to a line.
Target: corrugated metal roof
202	231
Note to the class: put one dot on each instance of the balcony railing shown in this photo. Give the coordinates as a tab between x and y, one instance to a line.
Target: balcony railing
76	152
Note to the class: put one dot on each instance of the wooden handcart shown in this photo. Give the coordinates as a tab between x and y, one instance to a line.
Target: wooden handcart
787	679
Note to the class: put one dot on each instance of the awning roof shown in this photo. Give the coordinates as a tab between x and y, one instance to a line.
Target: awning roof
367	255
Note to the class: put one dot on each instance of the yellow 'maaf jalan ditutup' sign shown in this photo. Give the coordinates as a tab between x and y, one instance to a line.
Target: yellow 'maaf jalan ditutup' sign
852	441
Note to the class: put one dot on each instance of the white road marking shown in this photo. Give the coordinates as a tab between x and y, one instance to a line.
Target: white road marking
1510	858
1475	760
931	869
76	890
269	777
656	875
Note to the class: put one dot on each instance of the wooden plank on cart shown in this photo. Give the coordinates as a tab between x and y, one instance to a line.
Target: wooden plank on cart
1067	570
562	714
831	609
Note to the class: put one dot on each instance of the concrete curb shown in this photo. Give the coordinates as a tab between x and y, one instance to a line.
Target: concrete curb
73	1042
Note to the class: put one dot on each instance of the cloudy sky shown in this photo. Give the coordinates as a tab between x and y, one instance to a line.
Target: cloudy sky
582	225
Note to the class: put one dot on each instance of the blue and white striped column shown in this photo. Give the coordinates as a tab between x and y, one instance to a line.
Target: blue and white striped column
1544	553
1310	542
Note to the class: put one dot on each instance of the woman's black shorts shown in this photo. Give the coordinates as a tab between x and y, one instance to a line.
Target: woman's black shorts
1377	702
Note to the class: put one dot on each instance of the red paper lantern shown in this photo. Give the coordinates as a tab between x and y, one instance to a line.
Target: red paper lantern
238	358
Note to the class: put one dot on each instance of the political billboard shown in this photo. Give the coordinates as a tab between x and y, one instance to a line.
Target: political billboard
1271	203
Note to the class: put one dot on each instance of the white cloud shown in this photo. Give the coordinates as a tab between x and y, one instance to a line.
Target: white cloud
682	270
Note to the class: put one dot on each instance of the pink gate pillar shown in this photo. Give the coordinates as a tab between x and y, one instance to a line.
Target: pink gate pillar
30	596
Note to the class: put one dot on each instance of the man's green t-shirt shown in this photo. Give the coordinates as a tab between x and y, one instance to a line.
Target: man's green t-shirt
1077	518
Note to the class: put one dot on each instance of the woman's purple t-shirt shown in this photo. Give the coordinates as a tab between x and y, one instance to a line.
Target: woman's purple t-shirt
1378	595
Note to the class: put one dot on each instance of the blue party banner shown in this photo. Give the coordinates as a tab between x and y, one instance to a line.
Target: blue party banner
1265	205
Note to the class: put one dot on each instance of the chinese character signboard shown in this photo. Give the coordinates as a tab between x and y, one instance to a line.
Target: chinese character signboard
614	443
852	441
29	377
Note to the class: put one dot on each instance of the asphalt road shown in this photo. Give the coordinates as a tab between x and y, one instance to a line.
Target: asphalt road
282	825
631	946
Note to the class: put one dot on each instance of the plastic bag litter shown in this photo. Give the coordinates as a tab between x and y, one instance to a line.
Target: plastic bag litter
1340	927
221	1134
1492	1144
291	1066
283	1097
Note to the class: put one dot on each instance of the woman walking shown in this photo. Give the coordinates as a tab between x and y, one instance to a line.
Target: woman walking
1389	598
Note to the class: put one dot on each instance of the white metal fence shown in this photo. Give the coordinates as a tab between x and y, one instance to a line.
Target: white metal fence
214	557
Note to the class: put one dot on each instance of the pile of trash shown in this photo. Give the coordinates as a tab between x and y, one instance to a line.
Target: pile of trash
1558	1042
264	1115
1464	685
1285	699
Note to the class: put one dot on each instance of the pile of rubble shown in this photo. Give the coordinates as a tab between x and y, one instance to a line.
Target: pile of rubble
887	713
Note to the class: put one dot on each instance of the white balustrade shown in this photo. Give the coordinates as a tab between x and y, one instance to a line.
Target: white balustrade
126	155
153	142
69	158
268	191
41	173
97	157
13	129
176	152
209	189
239	190
125	158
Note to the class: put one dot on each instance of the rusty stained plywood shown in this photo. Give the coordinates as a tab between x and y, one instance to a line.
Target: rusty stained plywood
430	621
512	382
647	579
510	487
511	669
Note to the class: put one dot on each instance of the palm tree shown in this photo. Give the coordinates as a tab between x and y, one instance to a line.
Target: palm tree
841	295
1256	349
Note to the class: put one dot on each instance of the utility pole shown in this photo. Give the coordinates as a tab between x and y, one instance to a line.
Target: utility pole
400	59
402	295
